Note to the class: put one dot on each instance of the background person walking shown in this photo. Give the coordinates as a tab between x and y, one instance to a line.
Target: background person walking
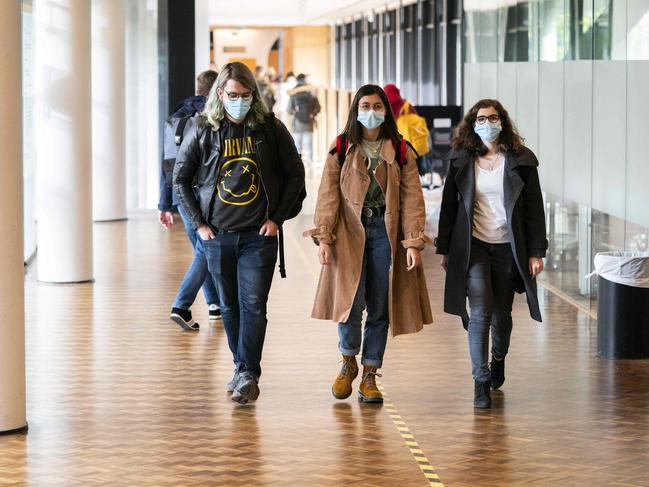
177	126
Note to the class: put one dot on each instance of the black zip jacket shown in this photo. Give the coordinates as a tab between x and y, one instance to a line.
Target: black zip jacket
199	159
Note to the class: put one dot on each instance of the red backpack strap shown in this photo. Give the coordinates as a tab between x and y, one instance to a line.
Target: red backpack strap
400	152
341	148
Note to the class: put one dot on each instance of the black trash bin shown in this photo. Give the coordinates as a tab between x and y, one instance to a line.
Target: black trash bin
623	305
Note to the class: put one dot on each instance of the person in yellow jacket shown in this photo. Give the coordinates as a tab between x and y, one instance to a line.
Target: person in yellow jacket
411	126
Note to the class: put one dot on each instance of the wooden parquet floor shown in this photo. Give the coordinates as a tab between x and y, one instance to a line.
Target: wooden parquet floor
118	395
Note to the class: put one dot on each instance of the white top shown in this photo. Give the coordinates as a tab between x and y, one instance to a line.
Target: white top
489	216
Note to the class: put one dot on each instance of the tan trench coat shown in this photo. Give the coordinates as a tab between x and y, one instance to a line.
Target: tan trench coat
338	221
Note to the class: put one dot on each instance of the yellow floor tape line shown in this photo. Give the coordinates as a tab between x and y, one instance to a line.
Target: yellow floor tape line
420	457
409	439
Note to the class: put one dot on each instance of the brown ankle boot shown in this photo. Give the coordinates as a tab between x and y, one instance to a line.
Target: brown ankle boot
342	387
368	392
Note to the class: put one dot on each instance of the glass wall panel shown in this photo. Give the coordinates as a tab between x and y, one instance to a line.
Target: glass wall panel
637	22
429	72
553	44
471	31
347	56
580	28
509	33
389	47
452	68
373	50
602	29
408	53
338	53
487	34
523	31
359	36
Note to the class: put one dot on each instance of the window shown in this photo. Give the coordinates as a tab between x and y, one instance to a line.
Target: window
389	47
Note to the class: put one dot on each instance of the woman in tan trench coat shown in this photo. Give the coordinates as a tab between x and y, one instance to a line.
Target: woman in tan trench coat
369	227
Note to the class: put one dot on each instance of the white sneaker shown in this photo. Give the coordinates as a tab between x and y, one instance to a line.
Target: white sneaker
214	312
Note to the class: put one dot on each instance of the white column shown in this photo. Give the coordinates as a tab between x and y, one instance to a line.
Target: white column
108	111
12	307
63	130
201	35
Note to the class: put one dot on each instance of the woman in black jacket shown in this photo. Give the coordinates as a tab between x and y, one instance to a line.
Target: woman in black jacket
491	236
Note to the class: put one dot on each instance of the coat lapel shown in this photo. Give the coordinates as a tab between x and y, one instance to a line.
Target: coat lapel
465	182
512	186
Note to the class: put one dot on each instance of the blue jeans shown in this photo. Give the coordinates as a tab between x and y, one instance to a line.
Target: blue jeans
491	284
197	275
304	144
372	293
242	264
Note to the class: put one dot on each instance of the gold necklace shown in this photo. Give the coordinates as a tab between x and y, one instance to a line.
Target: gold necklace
493	163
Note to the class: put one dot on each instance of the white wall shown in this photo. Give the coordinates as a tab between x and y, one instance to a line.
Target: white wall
257	43
202	35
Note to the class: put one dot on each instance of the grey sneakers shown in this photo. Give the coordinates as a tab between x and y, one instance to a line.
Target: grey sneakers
246	389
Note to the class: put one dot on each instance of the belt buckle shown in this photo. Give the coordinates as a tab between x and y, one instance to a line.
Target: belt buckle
368	213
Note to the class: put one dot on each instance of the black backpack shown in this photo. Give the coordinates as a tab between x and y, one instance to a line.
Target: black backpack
175	128
297	206
305	103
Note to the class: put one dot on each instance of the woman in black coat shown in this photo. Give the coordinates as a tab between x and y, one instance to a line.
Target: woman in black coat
491	236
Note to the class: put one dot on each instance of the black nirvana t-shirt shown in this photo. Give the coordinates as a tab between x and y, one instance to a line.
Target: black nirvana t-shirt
240	200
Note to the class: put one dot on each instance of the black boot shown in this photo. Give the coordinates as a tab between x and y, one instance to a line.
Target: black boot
497	368
481	396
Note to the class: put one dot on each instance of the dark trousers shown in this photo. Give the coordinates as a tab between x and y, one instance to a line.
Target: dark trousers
491	285
242	264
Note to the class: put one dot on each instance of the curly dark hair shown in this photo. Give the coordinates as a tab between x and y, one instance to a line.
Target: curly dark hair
465	137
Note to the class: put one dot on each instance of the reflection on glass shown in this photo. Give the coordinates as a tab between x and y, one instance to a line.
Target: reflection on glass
602	29
552	30
637	238
637	30
488	34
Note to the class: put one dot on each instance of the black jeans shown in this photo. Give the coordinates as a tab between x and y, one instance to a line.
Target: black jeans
242	265
491	284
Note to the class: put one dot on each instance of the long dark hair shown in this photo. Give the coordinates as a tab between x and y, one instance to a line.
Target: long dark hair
466	138
353	130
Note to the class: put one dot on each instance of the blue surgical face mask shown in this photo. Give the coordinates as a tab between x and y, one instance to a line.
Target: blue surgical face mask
371	119
237	109
488	131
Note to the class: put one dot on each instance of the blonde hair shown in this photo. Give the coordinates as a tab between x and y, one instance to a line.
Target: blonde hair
215	111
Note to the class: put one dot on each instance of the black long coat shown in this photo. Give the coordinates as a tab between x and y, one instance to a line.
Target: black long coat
525	221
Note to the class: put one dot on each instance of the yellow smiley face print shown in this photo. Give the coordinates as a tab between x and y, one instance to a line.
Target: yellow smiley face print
239	183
